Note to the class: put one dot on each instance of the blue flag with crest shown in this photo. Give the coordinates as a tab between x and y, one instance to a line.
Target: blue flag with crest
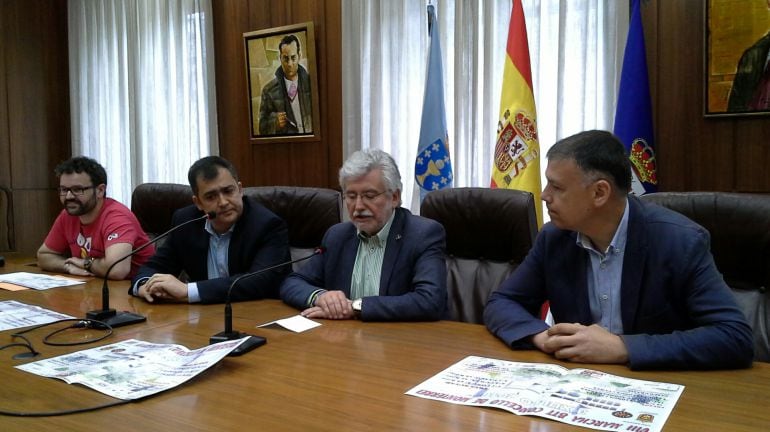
433	168
633	116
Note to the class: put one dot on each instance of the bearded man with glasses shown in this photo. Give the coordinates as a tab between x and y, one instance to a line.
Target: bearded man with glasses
385	264
92	231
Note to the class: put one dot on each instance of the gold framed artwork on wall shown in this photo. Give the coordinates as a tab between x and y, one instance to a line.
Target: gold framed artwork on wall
282	86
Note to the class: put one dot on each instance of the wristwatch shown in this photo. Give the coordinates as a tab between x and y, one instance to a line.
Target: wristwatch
87	263
356	305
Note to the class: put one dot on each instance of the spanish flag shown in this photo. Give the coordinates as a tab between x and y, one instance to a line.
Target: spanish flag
517	151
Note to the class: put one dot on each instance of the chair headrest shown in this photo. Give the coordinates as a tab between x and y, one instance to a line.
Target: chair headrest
308	211
493	224
155	203
739	224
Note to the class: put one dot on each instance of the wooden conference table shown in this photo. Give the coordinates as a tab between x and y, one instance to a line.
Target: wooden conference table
342	376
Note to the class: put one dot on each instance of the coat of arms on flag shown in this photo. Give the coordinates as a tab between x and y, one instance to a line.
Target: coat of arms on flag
516	144
643	161
433	169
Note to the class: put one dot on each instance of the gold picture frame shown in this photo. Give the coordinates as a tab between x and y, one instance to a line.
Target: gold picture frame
737	39
282	85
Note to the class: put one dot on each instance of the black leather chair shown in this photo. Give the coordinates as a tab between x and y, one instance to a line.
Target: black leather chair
739	225
308	211
488	233
155	203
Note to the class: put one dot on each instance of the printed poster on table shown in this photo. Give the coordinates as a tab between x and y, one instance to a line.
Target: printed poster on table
580	397
132	369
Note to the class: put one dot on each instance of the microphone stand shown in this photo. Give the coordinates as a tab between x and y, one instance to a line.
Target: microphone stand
117	319
253	341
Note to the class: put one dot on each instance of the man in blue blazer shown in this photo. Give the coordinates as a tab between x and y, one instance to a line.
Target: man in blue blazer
628	282
243	237
384	265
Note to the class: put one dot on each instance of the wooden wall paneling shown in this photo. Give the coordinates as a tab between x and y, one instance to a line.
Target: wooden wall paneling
33	213
670	156
287	163
710	144
5	149
695	152
650	24
333	89
230	17
36	84
38	91
752	154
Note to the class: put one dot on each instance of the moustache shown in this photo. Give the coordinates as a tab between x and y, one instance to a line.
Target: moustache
362	213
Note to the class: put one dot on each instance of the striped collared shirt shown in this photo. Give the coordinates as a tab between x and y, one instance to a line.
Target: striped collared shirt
367	269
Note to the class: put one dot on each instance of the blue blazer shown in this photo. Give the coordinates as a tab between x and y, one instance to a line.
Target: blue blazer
676	309
260	239
413	280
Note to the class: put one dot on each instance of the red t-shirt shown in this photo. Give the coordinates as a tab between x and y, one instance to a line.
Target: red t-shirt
115	224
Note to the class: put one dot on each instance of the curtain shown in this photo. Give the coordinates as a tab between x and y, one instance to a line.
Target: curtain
576	52
142	88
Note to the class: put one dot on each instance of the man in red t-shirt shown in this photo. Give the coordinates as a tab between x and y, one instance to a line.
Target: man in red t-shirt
93	231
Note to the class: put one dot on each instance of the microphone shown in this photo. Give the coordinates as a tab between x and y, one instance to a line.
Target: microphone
253	341
117	319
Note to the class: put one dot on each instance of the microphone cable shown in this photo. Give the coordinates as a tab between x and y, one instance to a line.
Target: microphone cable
63	412
77	323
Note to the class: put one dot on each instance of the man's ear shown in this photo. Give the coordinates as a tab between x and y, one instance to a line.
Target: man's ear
397	198
101	190
197	202
602	190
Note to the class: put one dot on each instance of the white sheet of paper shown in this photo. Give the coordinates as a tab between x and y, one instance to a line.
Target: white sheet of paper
39	281
297	323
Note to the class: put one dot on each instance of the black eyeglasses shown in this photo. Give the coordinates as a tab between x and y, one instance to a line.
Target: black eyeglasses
76	190
366	197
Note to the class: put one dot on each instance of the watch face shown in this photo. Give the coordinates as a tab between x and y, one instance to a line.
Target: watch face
357	304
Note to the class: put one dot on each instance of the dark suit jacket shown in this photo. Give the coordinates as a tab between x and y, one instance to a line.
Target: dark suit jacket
748	75
260	239
275	99
677	310
413	280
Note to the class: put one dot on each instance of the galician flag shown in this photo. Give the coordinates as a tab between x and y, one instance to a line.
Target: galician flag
633	117
517	151
433	168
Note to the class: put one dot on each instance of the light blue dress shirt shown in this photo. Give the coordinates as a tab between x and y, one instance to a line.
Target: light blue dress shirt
219	247
604	274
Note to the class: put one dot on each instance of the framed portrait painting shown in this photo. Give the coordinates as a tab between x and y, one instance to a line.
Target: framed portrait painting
282	86
737	58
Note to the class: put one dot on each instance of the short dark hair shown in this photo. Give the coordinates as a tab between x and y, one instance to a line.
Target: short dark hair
208	168
596	151
82	164
287	40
